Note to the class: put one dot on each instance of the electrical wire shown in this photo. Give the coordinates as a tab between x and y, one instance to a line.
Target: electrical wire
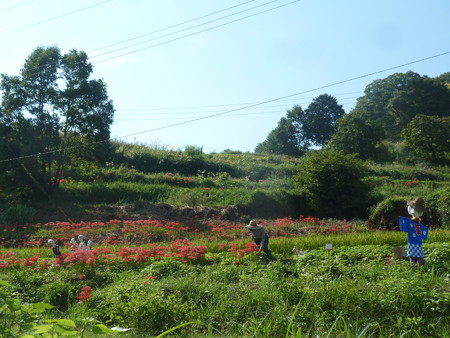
54	18
169	27
16	6
142	113
175	39
236	109
195	33
185	29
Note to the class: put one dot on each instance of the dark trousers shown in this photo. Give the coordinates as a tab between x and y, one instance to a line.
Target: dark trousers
263	243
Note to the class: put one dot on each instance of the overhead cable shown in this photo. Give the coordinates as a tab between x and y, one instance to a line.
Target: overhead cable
54	18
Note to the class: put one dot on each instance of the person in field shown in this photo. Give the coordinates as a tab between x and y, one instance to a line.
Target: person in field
416	231
56	251
260	237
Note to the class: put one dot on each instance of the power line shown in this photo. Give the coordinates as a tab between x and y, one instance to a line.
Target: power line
198	32
178	38
169	27
15	6
185	29
143	111
54	18
224	105
236	109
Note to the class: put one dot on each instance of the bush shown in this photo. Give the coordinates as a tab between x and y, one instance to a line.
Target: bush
274	204
386	213
333	183
438	204
17	214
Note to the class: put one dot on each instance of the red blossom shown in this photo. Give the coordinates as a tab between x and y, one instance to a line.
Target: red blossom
85	293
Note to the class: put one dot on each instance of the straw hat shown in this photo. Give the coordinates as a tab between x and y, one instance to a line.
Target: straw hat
418	204
416	208
252	225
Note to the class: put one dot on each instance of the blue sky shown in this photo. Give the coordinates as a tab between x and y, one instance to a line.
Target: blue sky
198	73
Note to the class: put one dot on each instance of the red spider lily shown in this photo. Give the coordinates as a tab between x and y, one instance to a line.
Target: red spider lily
85	293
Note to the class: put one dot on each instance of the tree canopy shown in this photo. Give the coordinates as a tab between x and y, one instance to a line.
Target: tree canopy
358	135
304	129
394	101
429	138
284	139
52	114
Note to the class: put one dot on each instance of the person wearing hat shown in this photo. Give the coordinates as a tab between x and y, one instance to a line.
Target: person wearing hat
56	251
260	237
416	231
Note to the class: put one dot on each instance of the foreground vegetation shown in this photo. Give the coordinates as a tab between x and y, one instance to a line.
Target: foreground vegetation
218	284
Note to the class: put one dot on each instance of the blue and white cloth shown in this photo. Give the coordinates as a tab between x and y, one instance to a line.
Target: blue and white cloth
416	233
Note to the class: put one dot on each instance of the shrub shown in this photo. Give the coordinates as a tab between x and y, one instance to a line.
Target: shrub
385	214
17	214
333	183
273	204
438	204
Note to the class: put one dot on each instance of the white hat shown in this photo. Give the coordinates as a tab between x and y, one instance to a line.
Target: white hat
80	237
51	241
73	240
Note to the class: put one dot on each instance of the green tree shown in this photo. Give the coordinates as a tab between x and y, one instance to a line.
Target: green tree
429	138
318	123
332	182
53	114
356	134
301	130
284	138
394	101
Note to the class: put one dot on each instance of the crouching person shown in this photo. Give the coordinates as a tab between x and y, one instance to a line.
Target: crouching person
260	237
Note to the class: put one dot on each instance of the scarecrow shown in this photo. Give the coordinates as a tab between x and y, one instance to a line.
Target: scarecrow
73	245
416	231
83	244
56	251
260	237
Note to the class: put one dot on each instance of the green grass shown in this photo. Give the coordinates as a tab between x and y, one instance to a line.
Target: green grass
351	291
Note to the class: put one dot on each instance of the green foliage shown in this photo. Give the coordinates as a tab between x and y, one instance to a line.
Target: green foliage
394	101
428	137
318	122
17	214
356	288
385	214
25	320
134	303
283	139
194	151
439	204
333	184
274	204
53	104
358	135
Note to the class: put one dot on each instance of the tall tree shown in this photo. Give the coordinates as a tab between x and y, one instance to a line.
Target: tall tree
358	135
318	123
429	138
54	113
284	138
301	130
394	101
